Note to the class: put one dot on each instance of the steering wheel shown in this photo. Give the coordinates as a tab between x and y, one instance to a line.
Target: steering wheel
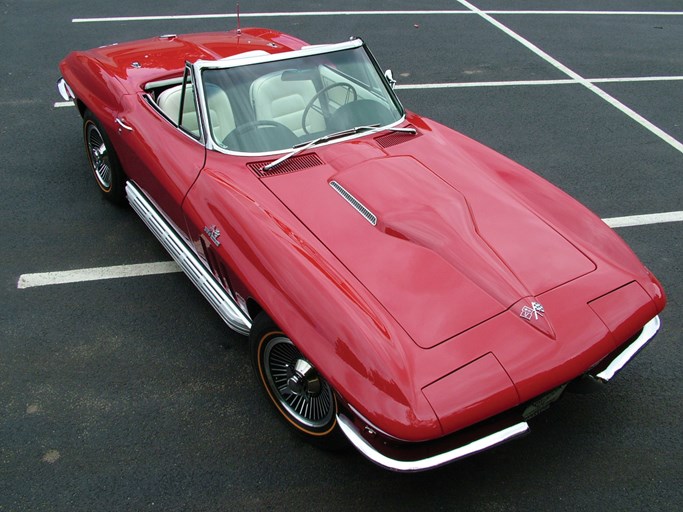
350	94
250	137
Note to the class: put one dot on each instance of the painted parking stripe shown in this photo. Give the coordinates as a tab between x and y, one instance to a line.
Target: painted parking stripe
167	267
370	13
634	79
574	75
510	83
588	13
642	220
503	83
266	15
96	274
518	83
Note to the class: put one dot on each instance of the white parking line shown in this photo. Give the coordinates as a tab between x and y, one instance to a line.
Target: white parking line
500	83
642	220
167	267
574	75
634	79
96	274
370	13
591	13
265	15
504	83
517	83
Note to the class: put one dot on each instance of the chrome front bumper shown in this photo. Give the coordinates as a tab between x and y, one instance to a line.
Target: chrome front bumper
414	459
65	91
408	465
620	360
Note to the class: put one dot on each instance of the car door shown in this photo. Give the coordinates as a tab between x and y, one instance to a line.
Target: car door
162	145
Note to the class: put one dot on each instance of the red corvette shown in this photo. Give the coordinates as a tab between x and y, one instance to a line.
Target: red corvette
402	286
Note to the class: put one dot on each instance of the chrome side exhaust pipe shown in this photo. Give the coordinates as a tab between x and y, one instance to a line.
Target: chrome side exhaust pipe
218	297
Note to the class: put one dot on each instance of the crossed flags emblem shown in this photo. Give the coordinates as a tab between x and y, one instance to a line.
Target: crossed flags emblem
532	312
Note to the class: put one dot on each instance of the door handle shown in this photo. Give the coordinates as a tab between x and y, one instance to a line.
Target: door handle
123	125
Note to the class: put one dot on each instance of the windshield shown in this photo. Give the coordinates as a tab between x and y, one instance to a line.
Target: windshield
273	106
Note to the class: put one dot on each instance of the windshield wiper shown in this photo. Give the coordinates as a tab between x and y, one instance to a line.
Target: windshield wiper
298	148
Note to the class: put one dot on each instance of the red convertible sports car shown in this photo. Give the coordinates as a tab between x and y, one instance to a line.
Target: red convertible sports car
402	286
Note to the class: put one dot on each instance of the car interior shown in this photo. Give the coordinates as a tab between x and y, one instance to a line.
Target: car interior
276	105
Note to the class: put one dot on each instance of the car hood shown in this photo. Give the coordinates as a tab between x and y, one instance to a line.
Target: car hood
451	247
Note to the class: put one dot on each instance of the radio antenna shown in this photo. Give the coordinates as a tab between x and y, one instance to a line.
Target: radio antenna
239	27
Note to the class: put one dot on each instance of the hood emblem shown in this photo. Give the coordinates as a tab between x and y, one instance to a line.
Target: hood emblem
532	312
213	233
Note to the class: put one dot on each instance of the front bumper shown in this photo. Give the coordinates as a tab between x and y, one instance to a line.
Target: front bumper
65	91
629	350
422	456
411	457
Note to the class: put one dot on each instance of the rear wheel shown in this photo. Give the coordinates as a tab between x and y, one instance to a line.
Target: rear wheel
301	396
103	160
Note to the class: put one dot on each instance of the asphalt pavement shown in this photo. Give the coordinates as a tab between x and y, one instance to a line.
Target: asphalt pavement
131	394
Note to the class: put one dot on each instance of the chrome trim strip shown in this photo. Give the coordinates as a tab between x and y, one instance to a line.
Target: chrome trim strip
217	296
306	51
648	332
431	462
358	206
65	91
123	124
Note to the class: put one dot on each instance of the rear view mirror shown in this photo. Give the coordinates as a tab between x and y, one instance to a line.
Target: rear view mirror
293	75
390	78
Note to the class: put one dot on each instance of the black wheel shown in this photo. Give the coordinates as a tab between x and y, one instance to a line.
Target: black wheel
351	96
103	160
301	396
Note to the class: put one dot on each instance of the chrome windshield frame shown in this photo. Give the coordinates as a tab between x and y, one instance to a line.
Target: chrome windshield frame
257	57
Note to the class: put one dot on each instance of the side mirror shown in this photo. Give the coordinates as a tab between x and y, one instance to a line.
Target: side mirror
390	78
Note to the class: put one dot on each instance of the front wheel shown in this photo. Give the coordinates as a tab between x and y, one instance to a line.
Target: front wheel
301	396
104	163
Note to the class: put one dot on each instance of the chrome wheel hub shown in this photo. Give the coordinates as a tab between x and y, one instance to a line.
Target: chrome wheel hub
99	160
303	379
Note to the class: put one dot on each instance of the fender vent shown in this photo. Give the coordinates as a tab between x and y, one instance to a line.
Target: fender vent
215	264
293	164
393	138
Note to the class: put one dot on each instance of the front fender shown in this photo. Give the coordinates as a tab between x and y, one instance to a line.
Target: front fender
333	320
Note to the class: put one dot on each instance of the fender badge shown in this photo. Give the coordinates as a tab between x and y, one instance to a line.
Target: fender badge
213	233
532	312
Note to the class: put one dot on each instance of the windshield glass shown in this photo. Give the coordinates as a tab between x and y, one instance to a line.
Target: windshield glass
273	106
